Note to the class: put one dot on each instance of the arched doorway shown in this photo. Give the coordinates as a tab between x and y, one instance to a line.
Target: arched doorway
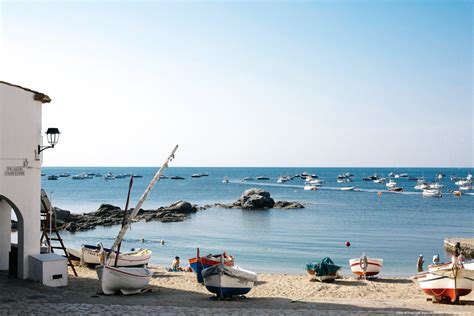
6	246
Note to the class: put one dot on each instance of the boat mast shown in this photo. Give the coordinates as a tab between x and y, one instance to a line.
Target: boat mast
130	184
144	196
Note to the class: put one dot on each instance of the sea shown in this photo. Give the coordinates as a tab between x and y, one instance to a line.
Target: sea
396	227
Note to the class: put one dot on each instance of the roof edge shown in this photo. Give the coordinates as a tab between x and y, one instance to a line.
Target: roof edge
37	96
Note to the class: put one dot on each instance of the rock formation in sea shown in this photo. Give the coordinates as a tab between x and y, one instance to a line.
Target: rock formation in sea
108	215
257	199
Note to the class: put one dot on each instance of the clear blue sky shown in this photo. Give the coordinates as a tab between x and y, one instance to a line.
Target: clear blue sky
317	83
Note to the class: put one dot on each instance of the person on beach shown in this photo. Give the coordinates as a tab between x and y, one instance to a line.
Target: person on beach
419	263
175	265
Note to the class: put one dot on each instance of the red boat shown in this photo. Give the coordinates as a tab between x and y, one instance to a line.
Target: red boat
200	263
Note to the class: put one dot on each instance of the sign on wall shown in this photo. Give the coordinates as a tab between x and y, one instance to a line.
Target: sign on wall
14	171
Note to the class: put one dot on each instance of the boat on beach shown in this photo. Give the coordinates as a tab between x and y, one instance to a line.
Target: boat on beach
364	266
91	255
228	281
447	281
200	263
323	271
124	280
128	280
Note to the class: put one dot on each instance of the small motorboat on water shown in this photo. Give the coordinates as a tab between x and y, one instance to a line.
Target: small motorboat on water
447	281
421	186
436	185
310	187
64	175
247	179
323	271
432	193
196	175
176	178
395	189
53	177
263	178
364	266
381	180
199	263
228	281
91	255
347	188
225	180
391	184
125	280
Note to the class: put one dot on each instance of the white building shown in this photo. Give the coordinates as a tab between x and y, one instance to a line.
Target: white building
20	171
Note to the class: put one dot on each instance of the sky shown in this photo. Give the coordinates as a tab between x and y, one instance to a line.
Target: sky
268	83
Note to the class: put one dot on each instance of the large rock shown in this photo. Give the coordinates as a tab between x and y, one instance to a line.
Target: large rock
180	207
254	198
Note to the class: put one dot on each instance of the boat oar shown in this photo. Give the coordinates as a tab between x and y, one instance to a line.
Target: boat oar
130	184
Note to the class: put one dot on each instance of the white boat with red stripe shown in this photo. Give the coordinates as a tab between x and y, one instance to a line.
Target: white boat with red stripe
364	266
447	282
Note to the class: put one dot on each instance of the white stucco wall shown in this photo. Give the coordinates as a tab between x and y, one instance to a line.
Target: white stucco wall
20	134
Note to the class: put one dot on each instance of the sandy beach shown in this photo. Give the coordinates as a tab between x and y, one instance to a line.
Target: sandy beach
178	293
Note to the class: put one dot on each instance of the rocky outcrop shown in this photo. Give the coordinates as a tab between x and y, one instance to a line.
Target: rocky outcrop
253	199
288	205
256	199
108	215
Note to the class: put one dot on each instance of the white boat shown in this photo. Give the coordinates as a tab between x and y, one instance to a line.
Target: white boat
91	255
225	180
465	187
463	182
391	184
436	185
381	180
347	188
421	186
432	193
126	279
123	279
446	281
344	180
310	187
228	281
365	267
317	181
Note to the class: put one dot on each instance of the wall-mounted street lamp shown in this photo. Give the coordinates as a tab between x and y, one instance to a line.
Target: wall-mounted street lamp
52	135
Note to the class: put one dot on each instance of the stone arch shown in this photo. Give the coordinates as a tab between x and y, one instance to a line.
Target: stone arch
6	206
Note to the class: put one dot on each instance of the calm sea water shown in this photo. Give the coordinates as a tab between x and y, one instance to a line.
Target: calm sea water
395	227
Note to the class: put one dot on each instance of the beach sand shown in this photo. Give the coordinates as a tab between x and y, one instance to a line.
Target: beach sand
178	292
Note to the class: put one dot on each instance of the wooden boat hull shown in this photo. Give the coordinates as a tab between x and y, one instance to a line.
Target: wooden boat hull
90	255
124	279
374	266
324	278
445	283
200	263
225	285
